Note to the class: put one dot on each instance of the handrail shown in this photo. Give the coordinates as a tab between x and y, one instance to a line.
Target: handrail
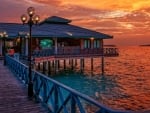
58	97
76	51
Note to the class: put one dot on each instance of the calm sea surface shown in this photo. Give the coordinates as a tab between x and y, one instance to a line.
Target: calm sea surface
125	85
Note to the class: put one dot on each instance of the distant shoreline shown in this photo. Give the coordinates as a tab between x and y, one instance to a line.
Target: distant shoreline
110	45
145	45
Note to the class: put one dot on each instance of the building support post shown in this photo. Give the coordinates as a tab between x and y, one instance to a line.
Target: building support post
64	64
39	65
75	62
56	45
81	64
58	64
72	64
49	67
44	67
91	64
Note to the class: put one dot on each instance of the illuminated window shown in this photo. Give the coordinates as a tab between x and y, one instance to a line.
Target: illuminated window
96	43
46	43
87	44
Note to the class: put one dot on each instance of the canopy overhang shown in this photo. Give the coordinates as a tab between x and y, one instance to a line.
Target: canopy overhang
49	29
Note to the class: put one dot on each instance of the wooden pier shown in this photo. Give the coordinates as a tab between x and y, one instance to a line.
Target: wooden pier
13	95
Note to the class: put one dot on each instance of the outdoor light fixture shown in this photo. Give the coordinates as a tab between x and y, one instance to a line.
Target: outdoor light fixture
33	19
4	35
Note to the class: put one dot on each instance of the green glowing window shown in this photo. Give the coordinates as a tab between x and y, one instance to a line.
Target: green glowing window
46	43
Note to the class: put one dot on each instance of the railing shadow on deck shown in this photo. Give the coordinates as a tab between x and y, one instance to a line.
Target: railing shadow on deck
57	97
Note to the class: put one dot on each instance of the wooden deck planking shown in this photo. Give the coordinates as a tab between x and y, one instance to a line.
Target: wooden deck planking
13	95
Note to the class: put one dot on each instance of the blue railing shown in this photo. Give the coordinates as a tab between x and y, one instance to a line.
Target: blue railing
57	97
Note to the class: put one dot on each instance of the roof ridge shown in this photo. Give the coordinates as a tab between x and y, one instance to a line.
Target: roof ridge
56	20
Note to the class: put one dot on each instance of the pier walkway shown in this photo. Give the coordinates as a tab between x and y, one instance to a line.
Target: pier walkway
13	95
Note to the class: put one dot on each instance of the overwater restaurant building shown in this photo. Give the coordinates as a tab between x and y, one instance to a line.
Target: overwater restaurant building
55	36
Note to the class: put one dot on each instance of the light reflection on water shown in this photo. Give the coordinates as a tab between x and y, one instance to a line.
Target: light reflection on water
126	84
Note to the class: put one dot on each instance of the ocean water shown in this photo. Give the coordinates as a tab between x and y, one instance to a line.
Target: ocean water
125	84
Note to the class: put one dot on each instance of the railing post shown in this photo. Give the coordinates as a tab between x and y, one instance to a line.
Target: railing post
56	99
44	91
73	105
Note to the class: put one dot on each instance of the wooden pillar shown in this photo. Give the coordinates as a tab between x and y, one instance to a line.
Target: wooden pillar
46	66
56	45
69	61
82	43
37	41
75	62
92	42
58	64
43	67
64	64
81	64
102	60
49	67
72	64
91	64
39	65
53	63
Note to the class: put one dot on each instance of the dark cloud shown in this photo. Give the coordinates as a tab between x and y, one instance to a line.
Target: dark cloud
49	2
11	11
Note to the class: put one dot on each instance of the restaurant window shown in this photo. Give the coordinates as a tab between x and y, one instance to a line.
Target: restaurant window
96	43
87	44
46	43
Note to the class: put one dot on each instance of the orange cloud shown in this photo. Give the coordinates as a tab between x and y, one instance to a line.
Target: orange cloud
102	5
121	18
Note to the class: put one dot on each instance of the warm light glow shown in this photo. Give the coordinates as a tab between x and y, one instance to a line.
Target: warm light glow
23	18
31	11
36	18
33	19
3	34
92	38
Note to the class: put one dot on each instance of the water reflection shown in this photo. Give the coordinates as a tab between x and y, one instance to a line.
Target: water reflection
126	84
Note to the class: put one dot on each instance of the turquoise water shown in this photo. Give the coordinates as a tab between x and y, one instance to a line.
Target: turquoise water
125	85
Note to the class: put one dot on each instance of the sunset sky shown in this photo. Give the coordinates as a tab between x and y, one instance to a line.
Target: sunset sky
127	20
